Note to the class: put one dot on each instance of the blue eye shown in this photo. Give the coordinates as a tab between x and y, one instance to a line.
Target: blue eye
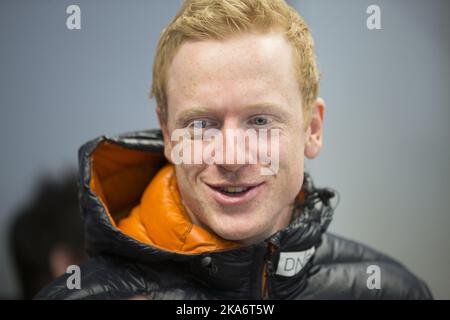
201	124
260	121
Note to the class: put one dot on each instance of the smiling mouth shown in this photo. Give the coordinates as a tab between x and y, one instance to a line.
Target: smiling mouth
235	194
233	191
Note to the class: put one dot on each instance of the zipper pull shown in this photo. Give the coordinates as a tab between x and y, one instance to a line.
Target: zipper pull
271	248
268	270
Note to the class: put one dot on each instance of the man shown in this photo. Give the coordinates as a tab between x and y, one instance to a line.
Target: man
46	235
164	224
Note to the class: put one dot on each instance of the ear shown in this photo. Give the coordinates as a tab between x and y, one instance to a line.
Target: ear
166	136
313	142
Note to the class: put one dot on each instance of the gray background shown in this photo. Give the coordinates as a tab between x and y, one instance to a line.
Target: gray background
386	146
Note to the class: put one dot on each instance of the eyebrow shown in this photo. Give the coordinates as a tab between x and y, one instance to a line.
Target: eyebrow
267	107
193	113
196	112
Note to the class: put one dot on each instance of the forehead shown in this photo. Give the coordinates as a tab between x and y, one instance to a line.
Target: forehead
239	70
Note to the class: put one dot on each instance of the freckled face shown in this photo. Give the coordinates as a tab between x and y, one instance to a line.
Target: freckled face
245	82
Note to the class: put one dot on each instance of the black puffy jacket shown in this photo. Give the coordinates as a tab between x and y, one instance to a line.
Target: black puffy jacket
302	261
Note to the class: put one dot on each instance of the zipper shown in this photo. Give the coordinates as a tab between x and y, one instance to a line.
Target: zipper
267	270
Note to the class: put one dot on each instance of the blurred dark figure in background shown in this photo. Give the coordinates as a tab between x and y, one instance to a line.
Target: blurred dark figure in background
47	234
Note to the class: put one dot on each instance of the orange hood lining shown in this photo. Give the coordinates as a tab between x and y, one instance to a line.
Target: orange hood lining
143	201
161	220
139	193
119	175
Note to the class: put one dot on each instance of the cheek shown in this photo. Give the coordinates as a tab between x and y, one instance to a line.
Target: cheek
186	175
184	180
189	184
291	150
292	161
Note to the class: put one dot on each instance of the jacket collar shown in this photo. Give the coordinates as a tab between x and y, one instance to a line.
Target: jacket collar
115	171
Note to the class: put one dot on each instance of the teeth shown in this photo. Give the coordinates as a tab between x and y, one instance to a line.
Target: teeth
234	189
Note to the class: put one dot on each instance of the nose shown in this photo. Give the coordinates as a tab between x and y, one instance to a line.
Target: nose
231	167
235	147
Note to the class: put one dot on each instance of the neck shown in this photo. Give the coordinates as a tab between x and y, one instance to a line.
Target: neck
282	220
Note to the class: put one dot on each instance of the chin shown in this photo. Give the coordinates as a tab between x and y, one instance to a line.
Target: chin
239	232
240	238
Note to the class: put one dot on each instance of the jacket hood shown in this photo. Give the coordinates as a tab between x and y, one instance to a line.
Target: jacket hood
142	242
122	177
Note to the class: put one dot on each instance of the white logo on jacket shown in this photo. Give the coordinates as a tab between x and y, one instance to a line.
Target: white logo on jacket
292	263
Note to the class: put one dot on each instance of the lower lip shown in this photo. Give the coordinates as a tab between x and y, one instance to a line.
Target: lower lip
238	199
